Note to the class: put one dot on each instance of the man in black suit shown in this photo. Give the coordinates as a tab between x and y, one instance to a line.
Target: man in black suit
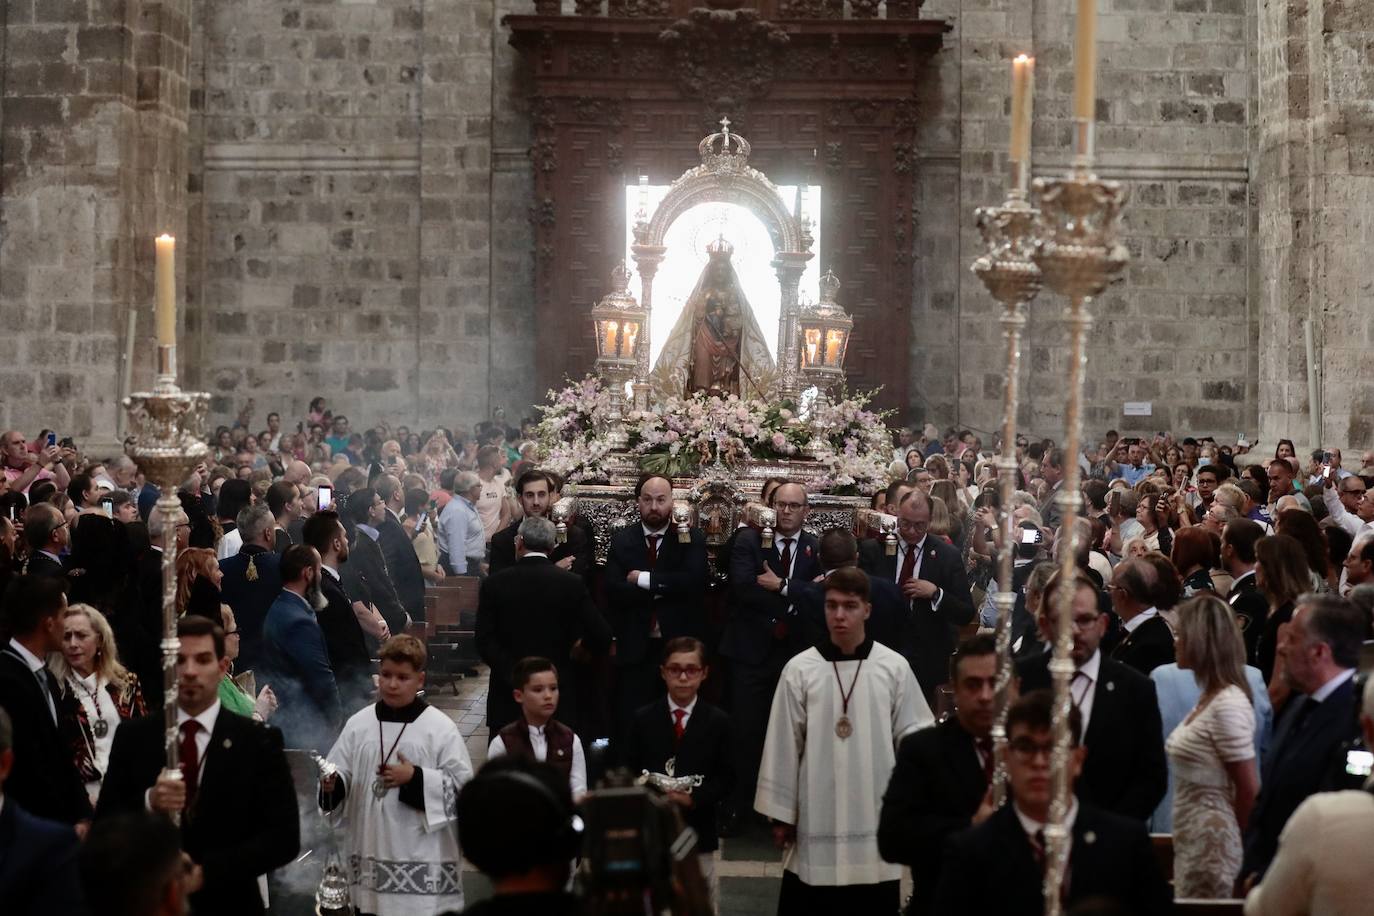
534	608
235	796
537	492
1320	648
766	627
1147	642
655	588
44	779
942	781
38	873
45	530
872	550
132	864
341	620
1238	542
252	581
930	573
694	736
1125	771
367	572
887	621
401	560
998	866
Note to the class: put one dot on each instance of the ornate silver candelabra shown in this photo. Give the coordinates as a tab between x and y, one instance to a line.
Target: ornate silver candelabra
168	427
1009	272
1078	253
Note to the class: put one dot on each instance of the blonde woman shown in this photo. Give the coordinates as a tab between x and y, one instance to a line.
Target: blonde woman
233	697
98	693
1212	752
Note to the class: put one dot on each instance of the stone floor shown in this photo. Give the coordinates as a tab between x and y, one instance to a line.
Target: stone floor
749	866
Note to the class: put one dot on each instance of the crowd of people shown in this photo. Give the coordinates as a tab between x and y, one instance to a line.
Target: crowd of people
1221	599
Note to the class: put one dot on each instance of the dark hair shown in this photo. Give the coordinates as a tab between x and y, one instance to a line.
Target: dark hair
359	505
234	495
533	475
297	559
1286	573
278	495
448	479
127	861
76	489
1168	585
28	601
850	580
1338	544
41	491
1193	547
890	496
510	801
646	477
1035	712
1243	534
321	528
1338	623
769	485
117	498
684	644
1081	580
975	646
838	548
1282	442
1095	491
1302	527
528	667
416	500
1054	457
40	521
198	625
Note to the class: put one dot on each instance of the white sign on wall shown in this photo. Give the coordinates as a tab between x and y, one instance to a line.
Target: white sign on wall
1138	409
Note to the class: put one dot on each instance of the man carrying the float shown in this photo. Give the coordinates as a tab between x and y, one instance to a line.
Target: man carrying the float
839	712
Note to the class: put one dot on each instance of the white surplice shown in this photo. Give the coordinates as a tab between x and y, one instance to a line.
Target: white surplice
832	788
402	861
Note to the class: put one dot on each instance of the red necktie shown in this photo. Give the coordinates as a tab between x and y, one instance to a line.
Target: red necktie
652	541
190	759
786	558
908	565
678	727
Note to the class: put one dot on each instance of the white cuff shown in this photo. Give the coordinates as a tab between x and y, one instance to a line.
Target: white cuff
643	580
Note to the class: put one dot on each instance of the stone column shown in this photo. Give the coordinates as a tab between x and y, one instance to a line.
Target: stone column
93	125
1315	180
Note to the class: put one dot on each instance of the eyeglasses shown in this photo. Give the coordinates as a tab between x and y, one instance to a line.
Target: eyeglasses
1027	749
905	525
789	507
681	671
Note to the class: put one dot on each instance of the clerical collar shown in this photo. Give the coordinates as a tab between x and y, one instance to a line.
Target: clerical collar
833	653
408	713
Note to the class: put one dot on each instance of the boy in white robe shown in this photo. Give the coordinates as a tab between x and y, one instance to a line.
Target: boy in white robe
839	712
400	765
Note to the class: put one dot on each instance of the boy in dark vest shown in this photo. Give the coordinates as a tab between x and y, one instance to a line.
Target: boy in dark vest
537	735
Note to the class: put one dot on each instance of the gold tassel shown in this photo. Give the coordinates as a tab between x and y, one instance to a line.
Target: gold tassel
252	574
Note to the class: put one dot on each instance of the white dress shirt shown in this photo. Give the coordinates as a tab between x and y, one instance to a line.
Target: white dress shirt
673	708
207	721
1032	826
1325	690
919	547
539	743
1134	623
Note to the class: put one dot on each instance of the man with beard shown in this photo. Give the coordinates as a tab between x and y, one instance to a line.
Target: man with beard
296	659
344	622
538	492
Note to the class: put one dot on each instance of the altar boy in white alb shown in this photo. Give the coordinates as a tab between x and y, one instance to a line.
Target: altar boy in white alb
840	710
400	765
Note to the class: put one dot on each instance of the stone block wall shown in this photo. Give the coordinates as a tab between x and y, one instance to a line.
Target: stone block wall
92	150
1174	104
1315	138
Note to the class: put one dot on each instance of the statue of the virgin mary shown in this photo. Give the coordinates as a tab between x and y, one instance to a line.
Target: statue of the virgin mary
716	345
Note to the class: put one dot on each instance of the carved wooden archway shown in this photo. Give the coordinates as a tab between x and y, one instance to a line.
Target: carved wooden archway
630	89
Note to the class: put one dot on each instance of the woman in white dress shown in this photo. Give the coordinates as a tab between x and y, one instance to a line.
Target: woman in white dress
98	692
1212	752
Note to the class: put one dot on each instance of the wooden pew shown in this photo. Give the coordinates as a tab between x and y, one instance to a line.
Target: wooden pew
451	617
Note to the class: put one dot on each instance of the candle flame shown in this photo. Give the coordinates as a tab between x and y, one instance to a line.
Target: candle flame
1023	58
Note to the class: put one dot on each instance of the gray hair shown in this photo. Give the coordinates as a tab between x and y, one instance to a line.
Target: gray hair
122	463
253	521
465	481
538	534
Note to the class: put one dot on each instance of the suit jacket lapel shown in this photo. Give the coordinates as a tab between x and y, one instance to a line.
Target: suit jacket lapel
967	769
1104	705
215	752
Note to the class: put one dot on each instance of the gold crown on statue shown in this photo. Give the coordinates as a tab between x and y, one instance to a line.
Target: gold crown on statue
720	248
724	151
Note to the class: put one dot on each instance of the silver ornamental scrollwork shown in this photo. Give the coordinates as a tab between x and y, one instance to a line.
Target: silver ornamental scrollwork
169	434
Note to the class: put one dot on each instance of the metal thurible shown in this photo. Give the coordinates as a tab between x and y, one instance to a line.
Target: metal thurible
1078	253
1009	272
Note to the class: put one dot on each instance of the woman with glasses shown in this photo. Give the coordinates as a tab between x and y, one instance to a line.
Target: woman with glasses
98	693
231	695
1212	752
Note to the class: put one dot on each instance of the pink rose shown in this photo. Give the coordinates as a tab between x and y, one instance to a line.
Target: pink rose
779	440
